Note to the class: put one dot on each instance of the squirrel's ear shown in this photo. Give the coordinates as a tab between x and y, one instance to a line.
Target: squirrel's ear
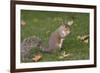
70	22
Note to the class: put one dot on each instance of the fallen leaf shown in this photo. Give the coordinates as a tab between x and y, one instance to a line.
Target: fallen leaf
86	41
37	57
23	23
63	55
70	22
83	37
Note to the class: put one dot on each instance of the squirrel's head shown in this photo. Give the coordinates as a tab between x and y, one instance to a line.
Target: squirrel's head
64	30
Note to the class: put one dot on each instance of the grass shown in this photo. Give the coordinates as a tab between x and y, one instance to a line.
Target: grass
43	23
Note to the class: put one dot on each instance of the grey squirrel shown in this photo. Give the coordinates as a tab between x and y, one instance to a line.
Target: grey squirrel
55	40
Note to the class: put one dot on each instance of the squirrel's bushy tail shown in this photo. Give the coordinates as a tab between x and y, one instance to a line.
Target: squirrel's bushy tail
29	43
32	42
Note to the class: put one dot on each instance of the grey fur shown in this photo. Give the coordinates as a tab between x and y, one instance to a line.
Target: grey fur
28	44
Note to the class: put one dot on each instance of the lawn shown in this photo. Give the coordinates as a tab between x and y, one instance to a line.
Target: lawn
43	23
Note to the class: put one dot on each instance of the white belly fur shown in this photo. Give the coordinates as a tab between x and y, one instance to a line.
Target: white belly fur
61	42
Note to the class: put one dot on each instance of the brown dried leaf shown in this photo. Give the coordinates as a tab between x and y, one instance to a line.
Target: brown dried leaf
23	23
86	41
82	37
63	55
37	57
